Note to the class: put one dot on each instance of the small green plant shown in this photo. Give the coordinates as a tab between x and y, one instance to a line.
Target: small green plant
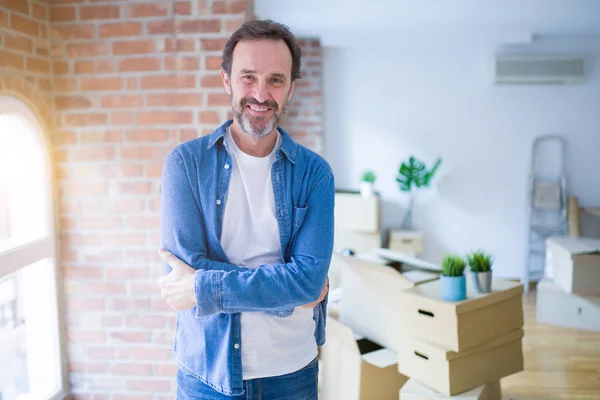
480	261
453	265
369	176
414	174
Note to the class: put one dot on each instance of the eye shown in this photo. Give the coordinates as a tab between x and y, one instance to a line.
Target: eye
277	81
247	78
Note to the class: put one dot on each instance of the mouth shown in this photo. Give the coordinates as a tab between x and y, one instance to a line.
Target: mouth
258	110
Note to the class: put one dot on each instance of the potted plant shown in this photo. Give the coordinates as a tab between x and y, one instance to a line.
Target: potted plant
480	263
412	176
367	183
452	280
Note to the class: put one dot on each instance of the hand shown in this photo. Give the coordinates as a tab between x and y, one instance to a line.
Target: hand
177	287
324	292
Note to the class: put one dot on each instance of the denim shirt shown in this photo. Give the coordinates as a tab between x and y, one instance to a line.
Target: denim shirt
196	174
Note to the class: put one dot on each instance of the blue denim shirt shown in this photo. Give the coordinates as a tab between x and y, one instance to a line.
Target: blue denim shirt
208	342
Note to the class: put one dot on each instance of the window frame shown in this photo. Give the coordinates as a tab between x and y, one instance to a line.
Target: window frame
21	256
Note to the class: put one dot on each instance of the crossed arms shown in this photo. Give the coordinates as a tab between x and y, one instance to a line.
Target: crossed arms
219	287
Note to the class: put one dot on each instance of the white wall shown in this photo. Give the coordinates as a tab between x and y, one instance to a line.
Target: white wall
385	102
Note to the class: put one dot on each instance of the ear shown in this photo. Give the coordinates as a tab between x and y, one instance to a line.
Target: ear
226	81
291	92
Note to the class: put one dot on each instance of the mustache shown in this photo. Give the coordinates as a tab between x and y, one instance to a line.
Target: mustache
252	100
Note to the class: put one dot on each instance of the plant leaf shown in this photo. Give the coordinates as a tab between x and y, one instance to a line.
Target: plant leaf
419	166
404	185
405	170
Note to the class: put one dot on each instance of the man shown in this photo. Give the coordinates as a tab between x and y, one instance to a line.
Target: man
247	231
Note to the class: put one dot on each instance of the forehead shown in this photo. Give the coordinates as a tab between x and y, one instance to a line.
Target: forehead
263	56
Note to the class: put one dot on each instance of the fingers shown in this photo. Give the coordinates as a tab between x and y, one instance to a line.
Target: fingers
166	280
175	263
169	258
171	292
324	292
168	284
177	287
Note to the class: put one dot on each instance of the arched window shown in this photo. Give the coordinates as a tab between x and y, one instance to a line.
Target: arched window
31	358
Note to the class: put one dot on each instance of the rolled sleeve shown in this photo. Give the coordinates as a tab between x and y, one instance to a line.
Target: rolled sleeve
207	288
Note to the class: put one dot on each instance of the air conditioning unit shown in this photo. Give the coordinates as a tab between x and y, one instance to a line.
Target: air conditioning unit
539	69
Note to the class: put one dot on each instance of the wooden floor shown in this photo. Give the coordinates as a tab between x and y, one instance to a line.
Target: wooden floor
560	363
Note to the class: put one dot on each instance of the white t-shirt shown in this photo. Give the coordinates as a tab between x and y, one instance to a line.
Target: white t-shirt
271	346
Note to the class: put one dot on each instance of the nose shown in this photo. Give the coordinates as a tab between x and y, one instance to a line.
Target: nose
261	92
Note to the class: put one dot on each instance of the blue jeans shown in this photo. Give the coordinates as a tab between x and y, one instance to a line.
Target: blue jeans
299	385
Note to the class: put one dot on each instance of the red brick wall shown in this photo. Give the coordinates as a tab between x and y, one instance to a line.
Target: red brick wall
304	120
25	67
132	79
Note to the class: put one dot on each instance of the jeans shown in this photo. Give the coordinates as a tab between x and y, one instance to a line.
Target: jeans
299	385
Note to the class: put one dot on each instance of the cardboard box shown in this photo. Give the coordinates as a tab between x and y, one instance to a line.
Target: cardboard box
354	368
402	241
574	264
370	299
357	213
335	266
407	259
413	390
359	242
451	373
554	306
461	325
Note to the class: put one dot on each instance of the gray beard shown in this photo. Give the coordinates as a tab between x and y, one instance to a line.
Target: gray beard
254	133
246	124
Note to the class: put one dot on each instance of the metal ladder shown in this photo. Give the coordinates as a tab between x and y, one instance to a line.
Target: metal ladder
547	204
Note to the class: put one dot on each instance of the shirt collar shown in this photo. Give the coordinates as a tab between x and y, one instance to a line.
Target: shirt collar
288	146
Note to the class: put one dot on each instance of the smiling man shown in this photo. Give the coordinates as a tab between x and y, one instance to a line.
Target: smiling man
247	231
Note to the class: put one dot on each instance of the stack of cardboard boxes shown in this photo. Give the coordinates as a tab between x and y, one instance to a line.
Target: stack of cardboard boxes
390	333
393	326
356	222
458	347
569	294
359	359
408	242
356	368
357	228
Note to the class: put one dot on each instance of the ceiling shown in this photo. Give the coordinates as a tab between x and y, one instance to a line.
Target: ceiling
350	22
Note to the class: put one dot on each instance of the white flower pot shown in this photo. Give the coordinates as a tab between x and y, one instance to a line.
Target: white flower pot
366	189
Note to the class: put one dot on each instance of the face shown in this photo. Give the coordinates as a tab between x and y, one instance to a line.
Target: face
260	85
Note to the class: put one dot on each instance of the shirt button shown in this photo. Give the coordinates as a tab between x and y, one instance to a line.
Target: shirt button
218	202
226	166
236	346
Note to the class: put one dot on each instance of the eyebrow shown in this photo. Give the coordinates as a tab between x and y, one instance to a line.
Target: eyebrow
250	71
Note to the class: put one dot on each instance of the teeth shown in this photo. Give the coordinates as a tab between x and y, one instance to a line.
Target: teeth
256	108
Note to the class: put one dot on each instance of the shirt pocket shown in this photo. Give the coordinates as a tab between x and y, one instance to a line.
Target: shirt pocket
299	215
